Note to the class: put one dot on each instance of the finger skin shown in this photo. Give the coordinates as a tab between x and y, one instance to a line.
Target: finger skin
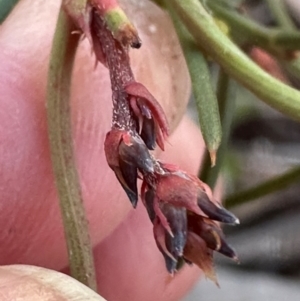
30	283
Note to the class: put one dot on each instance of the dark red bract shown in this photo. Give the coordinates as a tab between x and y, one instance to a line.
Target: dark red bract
180	206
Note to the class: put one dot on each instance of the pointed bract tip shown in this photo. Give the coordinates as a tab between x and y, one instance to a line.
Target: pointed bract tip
127	35
129	185
121	27
136	42
133	198
237	221
228	217
236	259
228	251
135	152
215	211
213	157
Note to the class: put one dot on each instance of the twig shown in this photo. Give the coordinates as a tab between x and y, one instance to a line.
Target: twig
62	154
204	94
207	34
270	186
279	41
279	11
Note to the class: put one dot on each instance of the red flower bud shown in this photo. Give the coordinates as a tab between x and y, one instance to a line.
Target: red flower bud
180	206
146	107
212	234
196	251
133	151
177	220
176	203
125	155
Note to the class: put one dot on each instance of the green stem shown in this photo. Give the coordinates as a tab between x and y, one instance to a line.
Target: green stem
203	28
203	91
6	7
292	67
226	99
280	12
275	184
246	31
62	154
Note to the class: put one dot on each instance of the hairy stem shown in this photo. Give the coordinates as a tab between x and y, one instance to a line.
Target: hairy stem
202	26
62	154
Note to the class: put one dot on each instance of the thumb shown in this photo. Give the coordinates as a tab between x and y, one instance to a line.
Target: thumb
30	283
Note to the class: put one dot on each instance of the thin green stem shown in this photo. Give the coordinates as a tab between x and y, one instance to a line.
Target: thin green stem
280	12
6	7
62	154
204	94
247	32
226	99
293	67
203	28
275	184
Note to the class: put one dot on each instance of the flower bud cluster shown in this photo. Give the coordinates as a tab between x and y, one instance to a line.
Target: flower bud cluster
181	207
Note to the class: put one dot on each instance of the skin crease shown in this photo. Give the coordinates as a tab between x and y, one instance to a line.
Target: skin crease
128	263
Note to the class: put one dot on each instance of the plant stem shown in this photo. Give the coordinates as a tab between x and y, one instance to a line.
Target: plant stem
204	94
203	28
270	186
62	154
226	99
278	41
6	7
279	11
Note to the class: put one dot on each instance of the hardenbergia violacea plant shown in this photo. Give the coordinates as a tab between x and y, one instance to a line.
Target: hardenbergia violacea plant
182	209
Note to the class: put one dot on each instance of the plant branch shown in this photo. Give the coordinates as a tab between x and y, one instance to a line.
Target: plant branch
206	33
245	31
279	11
62	154
275	184
204	94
